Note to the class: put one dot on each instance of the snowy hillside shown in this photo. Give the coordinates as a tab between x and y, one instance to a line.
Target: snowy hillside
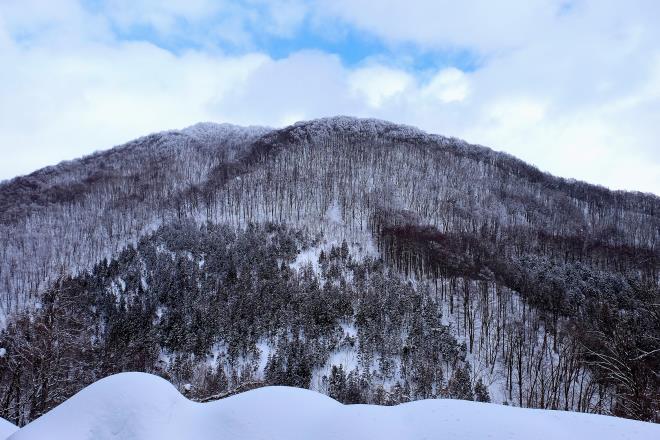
144	407
366	260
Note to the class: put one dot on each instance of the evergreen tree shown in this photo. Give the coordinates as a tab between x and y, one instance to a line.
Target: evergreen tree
481	392
460	386
343	252
337	383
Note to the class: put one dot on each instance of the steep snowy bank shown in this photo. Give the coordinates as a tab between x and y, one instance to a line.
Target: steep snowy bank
139	406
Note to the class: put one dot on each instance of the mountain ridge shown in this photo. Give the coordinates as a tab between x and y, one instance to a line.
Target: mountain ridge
335	122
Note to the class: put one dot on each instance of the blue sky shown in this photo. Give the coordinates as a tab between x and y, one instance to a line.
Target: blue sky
570	86
351	44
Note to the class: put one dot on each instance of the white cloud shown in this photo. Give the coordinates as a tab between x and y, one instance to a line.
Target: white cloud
62	23
448	85
207	21
60	105
161	15
377	84
575	91
482	24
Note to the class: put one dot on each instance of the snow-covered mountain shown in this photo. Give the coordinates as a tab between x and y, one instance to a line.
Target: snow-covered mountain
139	406
367	260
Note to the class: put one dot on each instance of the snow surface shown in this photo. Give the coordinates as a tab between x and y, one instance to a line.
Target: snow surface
6	429
139	406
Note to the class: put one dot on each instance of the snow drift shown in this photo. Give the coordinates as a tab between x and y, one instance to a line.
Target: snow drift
140	406
6	429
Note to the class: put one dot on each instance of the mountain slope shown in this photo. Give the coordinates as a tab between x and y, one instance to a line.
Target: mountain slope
143	407
367	260
293	175
105	200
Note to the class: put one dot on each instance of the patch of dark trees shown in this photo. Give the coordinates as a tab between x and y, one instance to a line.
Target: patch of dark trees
194	304
609	293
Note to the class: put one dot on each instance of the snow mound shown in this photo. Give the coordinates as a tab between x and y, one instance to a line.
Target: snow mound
140	406
6	429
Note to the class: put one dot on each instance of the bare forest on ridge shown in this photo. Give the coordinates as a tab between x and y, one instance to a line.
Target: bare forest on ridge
367	260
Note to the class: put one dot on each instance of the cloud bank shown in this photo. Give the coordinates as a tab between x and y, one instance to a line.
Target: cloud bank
571	86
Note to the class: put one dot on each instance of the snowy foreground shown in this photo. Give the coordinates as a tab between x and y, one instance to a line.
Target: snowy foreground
139	406
6	429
